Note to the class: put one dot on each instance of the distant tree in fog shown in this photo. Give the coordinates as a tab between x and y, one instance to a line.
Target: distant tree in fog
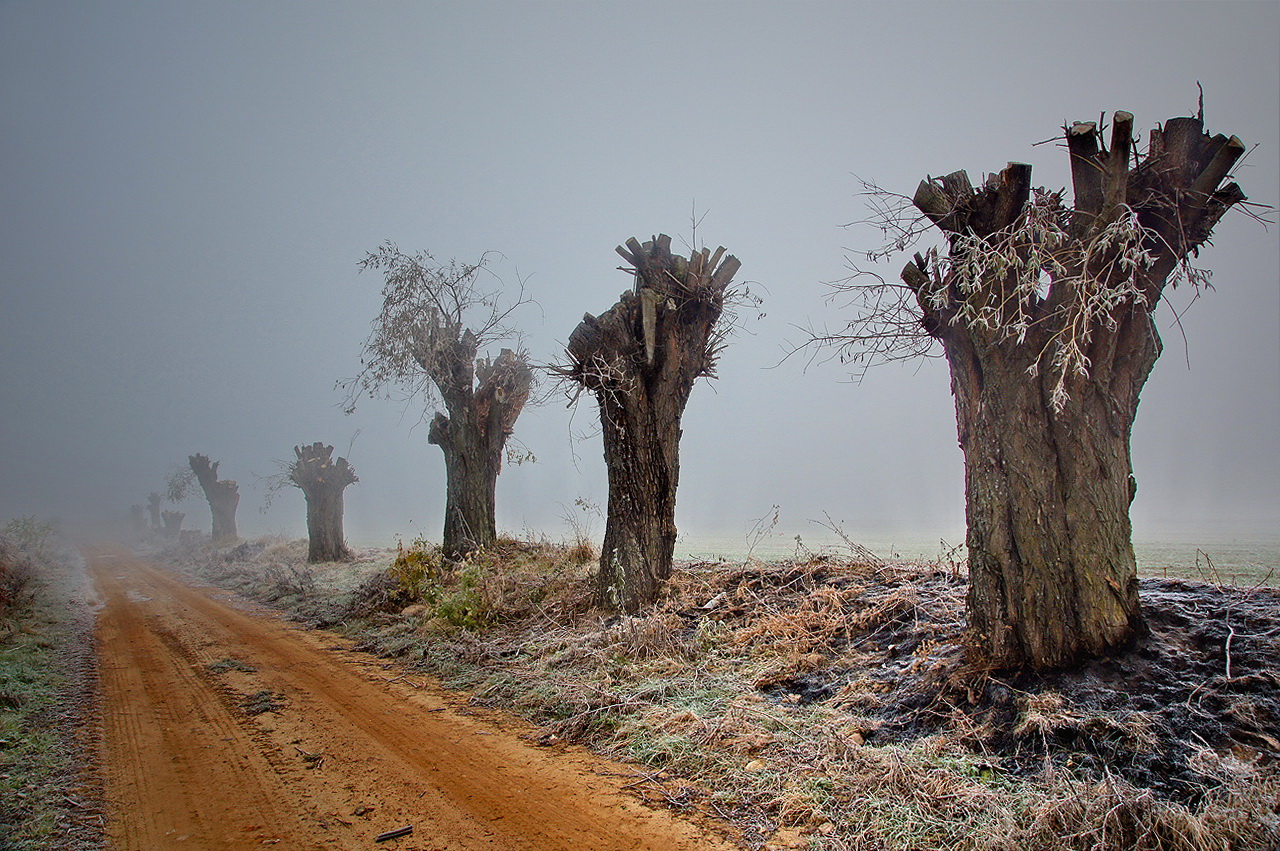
153	506
223	497
172	523
322	481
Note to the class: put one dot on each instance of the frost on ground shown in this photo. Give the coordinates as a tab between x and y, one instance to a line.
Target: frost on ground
50	797
831	704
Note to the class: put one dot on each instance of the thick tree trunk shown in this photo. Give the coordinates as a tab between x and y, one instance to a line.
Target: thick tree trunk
471	474
325	540
1047	491
223	497
322	481
642	454
641	359
473	437
223	504
1046	383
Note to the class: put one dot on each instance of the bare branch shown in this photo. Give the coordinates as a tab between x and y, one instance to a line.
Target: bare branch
1021	265
435	319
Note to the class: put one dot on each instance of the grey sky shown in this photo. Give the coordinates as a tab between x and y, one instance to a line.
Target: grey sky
185	191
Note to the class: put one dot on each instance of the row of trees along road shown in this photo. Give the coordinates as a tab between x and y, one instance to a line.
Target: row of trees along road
1043	311
169	523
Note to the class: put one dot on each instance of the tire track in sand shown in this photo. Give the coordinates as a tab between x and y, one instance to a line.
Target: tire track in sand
172	744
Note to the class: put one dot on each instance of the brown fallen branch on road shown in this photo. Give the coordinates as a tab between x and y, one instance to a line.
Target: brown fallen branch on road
394	834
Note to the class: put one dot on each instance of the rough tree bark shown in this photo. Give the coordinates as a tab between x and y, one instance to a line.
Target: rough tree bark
153	506
223	497
640	359
172	523
483	399
322	481
1045	428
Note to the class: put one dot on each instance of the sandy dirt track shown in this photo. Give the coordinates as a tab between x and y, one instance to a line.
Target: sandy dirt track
349	753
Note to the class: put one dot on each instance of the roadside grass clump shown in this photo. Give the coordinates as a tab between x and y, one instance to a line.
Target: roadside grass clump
274	570
37	539
48	800
228	664
261	702
830	703
509	581
18	565
16	572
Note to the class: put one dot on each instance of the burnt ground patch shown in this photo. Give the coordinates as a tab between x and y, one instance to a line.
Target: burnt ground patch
1196	696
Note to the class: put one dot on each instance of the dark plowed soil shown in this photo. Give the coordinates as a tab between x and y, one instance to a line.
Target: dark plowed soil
1205	676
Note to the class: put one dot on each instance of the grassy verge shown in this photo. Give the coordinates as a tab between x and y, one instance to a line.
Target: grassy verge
46	670
828	704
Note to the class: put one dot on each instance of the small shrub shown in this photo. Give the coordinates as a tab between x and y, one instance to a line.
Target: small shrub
465	605
25	543
31	536
16	572
418	570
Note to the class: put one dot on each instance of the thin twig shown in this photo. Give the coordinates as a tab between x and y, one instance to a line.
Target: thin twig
1231	633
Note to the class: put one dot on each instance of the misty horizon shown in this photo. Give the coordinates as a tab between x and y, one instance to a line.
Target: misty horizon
188	191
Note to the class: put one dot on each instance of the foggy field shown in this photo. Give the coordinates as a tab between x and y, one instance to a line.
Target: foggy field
1231	561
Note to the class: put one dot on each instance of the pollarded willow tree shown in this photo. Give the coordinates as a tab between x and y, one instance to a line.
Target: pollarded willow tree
322	481
435	319
223	497
1044	312
640	360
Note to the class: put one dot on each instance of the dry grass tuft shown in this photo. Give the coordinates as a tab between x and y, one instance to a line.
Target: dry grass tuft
282	550
1114	814
1048	716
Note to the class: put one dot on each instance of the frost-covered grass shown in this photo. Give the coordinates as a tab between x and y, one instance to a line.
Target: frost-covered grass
46	800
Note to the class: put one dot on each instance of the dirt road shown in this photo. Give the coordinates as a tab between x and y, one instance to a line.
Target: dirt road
225	728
